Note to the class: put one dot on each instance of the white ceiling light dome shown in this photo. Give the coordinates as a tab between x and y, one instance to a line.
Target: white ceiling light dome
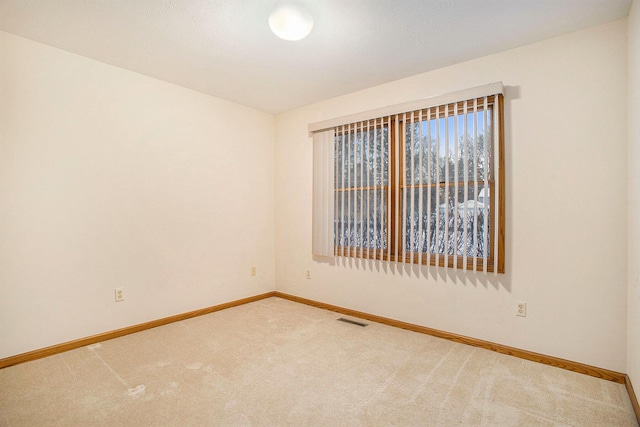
289	20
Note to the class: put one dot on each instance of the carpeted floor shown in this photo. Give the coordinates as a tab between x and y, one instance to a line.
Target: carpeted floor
277	363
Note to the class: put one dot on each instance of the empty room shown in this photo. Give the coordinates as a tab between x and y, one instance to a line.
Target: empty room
336	212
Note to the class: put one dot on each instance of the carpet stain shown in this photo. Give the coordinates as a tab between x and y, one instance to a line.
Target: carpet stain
137	390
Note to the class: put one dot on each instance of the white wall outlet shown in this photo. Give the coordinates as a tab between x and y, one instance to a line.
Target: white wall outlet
253	271
119	294
521	309
308	274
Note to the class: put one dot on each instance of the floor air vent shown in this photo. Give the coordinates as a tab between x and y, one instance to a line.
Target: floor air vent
353	322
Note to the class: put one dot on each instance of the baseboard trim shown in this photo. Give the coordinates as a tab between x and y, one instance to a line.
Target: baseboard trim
70	345
632	396
499	348
523	354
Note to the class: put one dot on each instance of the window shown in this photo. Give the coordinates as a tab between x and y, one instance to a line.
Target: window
422	185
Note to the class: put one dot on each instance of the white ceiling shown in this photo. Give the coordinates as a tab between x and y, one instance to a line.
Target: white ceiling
225	48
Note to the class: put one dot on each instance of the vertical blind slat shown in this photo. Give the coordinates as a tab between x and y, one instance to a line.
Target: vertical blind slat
430	183
403	186
420	191
343	244
348	193
437	235
338	195
412	189
447	188
360	193
385	168
375	192
495	197
456	176
327	194
465	198
396	201
475	184
367	149
485	188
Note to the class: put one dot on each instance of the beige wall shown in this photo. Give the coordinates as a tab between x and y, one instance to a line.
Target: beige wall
566	205
633	328
109	178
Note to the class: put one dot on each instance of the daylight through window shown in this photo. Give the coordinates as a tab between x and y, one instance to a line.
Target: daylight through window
423	185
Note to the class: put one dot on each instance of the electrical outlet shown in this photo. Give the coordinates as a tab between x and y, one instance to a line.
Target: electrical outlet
308	274
253	271
119	294
521	309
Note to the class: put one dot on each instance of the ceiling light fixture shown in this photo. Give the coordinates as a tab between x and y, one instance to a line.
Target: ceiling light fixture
290	21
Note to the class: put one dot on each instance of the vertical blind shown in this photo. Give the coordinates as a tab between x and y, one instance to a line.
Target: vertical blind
323	193
421	182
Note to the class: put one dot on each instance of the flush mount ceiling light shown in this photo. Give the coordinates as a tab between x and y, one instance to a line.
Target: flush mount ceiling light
290	21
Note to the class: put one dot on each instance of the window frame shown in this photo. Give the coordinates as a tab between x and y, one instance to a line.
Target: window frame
397	233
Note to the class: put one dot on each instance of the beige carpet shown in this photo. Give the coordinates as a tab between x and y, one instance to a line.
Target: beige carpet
275	362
